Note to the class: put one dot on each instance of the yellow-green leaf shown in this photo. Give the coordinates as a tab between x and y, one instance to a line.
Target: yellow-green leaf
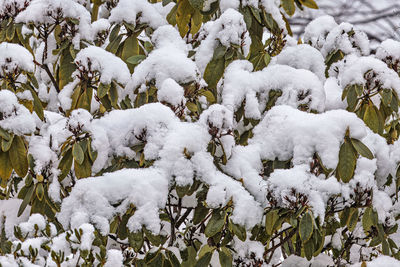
362	149
270	220
191	106
18	156
131	46
83	170
210	96
183	16
40	191
77	153
288	6
371	118
309	4
5	166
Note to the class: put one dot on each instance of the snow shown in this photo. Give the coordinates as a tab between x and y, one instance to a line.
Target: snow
35	220
171	92
272	7
12	7
45	11
389	49
146	189
167	60
308	117
381	261
303	57
140	11
333	93
14	57
352	70
107	64
8	210
241	83
228	29
114	258
341	38
16	117
317	30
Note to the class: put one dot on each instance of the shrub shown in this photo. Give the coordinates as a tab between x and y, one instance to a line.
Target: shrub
194	132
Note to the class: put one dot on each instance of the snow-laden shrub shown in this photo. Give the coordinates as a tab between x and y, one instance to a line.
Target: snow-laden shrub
194	133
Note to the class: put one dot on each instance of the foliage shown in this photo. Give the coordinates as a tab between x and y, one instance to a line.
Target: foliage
202	176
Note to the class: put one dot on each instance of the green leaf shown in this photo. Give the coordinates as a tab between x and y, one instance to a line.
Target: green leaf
214	71
65	164
215	224
113	95
83	170
351	224
18	156
239	231
103	89
367	219
306	227
309	249
27	200
288	6
200	212
362	149
77	153
173	259
267	59
6	144
385	247
4	134
386	95
347	161
270	220
136	240
204	250
204	261
225	257
131	46
352	98
136	59
394	103
197	4
67	67
154	239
